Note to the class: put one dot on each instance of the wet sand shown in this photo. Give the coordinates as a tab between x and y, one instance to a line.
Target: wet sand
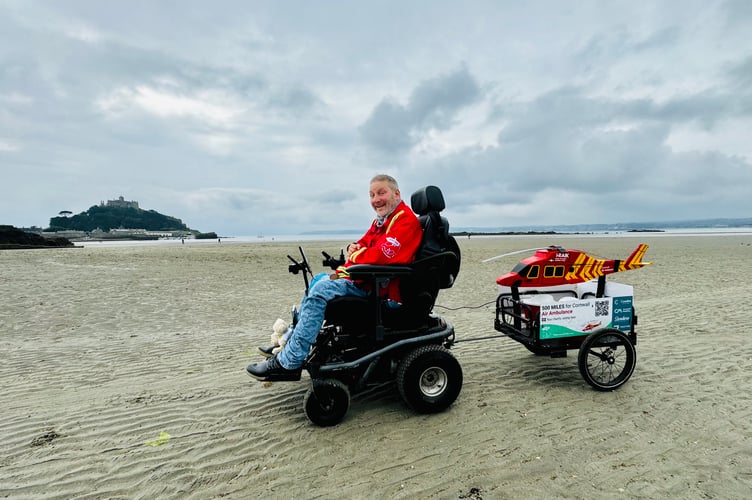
123	373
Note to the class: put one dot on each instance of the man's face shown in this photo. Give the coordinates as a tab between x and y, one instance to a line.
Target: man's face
383	198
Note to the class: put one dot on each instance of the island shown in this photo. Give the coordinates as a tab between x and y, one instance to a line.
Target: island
117	219
121	219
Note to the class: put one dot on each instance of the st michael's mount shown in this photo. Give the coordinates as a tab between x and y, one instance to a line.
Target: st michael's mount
119	219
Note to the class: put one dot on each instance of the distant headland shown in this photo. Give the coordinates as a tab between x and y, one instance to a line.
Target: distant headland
12	238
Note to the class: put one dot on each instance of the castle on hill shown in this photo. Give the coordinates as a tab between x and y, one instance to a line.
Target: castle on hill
120	203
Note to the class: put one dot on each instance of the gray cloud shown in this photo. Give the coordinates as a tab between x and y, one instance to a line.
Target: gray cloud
432	105
593	148
272	118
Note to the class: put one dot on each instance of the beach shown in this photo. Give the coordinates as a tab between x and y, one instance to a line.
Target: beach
123	373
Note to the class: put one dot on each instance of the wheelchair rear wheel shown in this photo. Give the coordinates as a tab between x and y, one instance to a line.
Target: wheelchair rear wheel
326	402
429	379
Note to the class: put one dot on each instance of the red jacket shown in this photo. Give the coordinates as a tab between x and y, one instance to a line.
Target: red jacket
394	242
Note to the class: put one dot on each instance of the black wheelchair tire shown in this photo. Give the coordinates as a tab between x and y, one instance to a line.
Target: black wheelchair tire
326	402
429	379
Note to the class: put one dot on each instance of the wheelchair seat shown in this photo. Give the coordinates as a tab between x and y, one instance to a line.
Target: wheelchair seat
436	265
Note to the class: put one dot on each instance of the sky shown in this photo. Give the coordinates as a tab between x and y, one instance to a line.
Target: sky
270	117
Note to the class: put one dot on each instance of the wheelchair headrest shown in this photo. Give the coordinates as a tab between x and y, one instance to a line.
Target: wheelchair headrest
427	199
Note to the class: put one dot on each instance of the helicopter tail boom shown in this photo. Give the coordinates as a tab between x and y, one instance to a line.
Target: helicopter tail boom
634	261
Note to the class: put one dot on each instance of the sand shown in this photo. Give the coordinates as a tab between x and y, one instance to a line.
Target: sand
123	376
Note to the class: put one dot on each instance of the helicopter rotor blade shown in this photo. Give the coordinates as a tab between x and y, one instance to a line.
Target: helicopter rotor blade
513	253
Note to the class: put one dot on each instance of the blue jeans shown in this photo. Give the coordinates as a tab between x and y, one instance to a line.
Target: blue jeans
311	317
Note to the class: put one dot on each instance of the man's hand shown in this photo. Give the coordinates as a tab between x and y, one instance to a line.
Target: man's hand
353	247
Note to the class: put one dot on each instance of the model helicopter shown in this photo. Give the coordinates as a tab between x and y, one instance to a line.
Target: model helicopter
554	265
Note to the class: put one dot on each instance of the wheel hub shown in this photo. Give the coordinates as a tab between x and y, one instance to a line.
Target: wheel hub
433	381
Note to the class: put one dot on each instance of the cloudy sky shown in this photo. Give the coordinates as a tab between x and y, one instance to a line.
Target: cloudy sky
247	117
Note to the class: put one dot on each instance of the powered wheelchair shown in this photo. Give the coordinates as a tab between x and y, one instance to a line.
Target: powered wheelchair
366	341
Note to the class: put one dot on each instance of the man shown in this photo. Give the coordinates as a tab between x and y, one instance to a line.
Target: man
393	238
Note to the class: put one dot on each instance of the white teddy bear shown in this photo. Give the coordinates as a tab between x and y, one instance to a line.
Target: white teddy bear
280	333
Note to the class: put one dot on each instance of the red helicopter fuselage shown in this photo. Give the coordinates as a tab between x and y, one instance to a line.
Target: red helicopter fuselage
555	266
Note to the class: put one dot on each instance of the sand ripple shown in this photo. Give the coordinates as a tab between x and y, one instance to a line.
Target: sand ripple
106	349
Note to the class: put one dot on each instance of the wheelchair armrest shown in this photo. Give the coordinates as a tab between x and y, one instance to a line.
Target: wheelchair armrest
369	271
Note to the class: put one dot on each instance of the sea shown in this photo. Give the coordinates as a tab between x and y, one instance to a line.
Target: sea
476	233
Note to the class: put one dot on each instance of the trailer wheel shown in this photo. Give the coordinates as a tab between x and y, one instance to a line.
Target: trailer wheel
429	379
607	359
326	402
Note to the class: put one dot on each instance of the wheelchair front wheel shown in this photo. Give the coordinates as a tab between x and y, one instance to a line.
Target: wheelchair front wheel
429	379
326	402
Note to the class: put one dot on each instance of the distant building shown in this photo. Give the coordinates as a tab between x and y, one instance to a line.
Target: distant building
121	203
70	234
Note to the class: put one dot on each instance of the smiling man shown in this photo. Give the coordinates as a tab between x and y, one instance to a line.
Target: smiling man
393	238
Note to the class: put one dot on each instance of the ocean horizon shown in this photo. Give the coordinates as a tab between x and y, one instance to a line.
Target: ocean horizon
488	233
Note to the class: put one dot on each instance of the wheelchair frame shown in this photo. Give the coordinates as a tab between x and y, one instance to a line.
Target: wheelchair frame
345	361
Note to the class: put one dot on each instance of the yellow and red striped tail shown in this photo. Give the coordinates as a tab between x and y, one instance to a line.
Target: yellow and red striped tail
634	261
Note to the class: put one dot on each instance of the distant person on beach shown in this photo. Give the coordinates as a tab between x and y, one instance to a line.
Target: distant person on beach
393	238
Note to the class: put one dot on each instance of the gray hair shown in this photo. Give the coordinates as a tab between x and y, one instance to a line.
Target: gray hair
386	178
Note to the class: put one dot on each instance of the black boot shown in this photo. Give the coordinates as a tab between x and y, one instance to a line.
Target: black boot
266	351
271	371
